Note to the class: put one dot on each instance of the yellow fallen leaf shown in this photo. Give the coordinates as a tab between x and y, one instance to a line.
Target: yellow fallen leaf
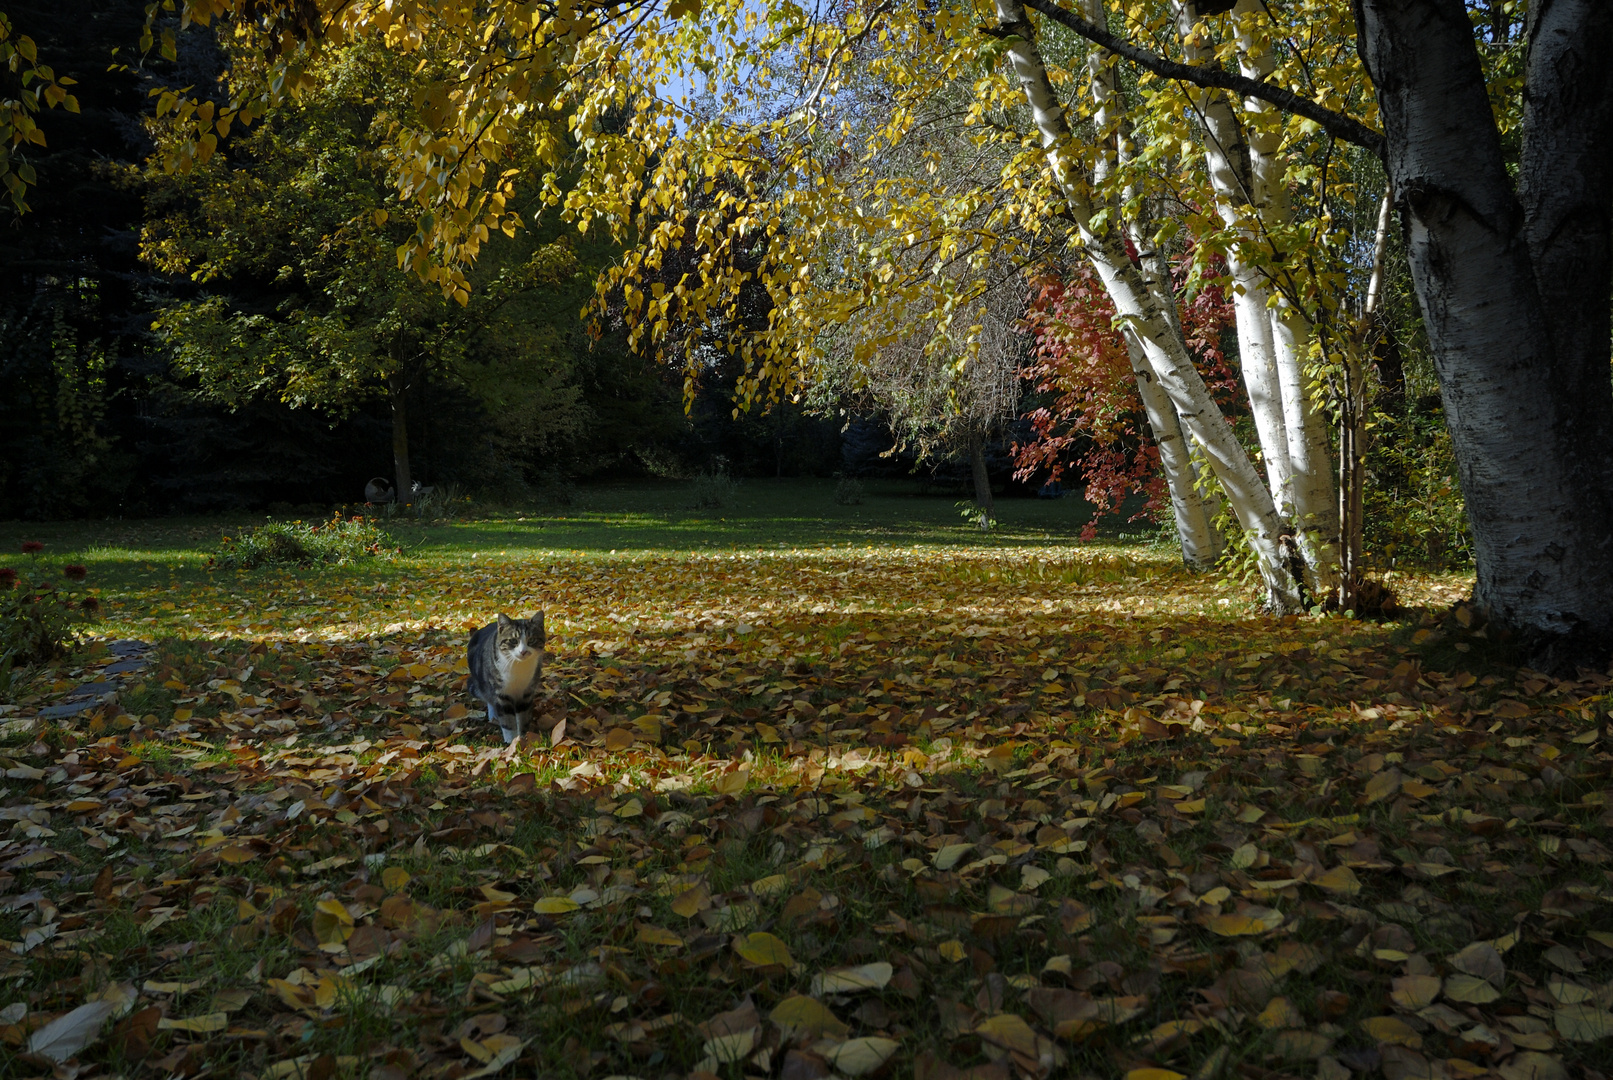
1413	992
763	950
333	924
655	935
1392	1031
732	783
799	1014
769	885
692	901
1583	1023
1009	1032
207	1022
1340	879
1152	1073
235	854
556	905
289	993
949	856
1470	990
522	979
394	878
1008	902
326	991
1280	1013
1383	785
952	950
1235	925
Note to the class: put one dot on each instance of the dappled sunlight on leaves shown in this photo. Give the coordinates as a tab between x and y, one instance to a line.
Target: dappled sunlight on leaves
801	813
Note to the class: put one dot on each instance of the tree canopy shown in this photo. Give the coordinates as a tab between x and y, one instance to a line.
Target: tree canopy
727	134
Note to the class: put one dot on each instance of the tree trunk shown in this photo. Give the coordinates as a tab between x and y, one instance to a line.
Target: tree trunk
1515	297
1136	307
396	394
1195	527
982	478
1227	157
1314	512
1201	543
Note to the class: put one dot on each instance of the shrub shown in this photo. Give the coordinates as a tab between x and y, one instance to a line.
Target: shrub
713	490
293	543
849	492
40	610
1414	513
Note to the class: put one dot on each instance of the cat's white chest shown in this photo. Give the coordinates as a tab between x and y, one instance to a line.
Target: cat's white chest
515	675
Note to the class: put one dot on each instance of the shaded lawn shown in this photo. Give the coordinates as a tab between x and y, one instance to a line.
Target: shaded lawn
1001	805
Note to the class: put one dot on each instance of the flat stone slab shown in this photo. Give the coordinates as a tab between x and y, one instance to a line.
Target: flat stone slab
68	708
124	666
126	646
96	688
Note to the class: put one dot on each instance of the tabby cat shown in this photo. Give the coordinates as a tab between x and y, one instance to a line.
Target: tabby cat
506	662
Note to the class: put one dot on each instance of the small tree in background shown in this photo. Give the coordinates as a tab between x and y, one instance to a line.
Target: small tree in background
293	240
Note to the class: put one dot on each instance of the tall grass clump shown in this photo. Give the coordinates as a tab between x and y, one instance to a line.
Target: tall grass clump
339	541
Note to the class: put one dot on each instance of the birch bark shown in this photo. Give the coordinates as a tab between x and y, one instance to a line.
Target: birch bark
1515	298
1227	158
1195	528
1315	509
1162	343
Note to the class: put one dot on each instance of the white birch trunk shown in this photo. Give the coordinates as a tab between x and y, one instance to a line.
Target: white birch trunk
1315	510
1195	528
1227	158
1201	544
1515	295
1161	341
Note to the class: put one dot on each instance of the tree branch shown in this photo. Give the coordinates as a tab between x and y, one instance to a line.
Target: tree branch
1208	75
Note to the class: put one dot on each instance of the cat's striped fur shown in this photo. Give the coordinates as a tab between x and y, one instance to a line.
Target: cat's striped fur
506	664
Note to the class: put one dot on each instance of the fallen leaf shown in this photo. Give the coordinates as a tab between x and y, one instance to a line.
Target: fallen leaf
1413	992
798	1014
1009	1032
1340	879
556	905
1470	990
1391	1031
852	979
1236	925
762	949
70	1033
207	1022
857	1057
1583	1023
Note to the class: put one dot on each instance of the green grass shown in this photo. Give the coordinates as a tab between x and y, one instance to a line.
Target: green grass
643	516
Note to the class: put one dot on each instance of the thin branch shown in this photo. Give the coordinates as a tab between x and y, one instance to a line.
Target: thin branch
1334	123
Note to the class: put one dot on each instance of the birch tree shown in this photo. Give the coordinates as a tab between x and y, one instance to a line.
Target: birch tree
1513	276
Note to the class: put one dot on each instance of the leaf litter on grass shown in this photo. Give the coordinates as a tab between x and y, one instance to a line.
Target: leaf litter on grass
831	812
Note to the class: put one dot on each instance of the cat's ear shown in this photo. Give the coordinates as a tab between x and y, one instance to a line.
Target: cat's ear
503	621
538	618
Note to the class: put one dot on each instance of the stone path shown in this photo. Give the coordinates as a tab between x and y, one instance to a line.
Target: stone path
129	658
